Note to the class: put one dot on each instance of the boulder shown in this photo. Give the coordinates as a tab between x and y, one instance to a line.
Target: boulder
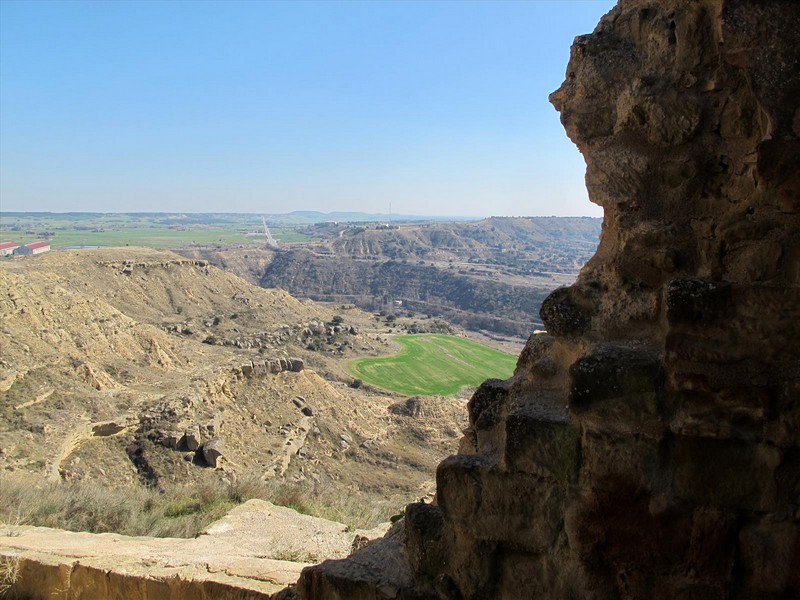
213	451
191	438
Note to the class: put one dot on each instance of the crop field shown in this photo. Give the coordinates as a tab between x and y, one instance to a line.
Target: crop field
434	364
149	230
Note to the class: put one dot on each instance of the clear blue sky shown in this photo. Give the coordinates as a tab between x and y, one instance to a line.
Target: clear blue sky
435	107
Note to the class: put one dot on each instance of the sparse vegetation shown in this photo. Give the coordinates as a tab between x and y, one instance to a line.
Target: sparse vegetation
88	506
179	512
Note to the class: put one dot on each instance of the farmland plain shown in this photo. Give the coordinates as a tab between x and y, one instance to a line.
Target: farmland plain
151	230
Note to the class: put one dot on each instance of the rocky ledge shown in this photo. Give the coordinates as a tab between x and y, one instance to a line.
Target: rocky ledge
648	446
252	553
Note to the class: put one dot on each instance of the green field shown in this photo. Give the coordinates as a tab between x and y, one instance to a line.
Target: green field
149	230
433	364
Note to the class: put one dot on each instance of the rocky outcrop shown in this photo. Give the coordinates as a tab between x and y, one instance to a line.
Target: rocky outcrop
251	553
126	267
213	450
648	446
262	368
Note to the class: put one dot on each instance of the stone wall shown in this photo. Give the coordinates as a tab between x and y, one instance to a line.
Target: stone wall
648	446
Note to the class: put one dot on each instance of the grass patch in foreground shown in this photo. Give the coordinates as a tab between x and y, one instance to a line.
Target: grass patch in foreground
434	364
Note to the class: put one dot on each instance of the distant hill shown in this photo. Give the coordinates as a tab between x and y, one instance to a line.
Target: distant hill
486	275
310	217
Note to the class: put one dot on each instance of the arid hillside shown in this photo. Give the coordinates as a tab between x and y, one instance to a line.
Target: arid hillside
139	367
488	275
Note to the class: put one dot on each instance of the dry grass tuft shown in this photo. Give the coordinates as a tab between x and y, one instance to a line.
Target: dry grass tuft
9	571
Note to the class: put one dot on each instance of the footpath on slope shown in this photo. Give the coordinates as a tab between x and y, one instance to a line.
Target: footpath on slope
254	551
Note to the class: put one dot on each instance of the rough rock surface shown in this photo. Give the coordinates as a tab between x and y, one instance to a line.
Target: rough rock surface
649	445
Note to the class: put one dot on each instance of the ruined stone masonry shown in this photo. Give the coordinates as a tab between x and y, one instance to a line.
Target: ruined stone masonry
648	446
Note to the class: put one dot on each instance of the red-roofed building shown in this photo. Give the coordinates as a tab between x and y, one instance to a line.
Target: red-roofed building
7	248
33	248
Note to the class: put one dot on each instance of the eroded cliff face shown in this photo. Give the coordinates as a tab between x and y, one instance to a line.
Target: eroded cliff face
649	445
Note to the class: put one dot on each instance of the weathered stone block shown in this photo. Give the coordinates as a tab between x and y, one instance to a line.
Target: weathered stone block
213	451
769	555
191	439
563	314
631	376
726	473
379	571
543	444
613	460
535	349
499	506
171	440
722	323
471	570
259	368
486	405
733	413
519	571
693	299
703	349
711	550
423	538
679	587
787	478
626	531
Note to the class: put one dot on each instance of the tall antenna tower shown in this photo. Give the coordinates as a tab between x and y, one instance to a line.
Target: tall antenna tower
271	242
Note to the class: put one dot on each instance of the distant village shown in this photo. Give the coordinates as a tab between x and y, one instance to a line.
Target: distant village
10	248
